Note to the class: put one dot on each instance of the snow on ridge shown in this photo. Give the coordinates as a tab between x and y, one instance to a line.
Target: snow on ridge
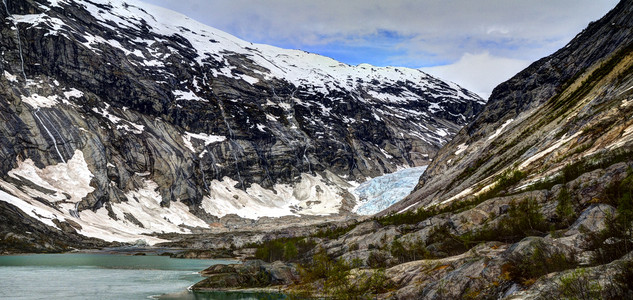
461	148
10	77
73	92
298	67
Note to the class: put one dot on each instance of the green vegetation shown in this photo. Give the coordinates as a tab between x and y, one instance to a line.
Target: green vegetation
294	249
378	259
286	249
616	239
587	164
576	285
564	104
409	251
527	267
522	219
564	208
334	278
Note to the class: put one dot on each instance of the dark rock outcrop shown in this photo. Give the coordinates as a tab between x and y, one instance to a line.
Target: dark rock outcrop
250	274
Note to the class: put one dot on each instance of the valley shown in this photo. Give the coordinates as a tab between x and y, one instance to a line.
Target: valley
325	180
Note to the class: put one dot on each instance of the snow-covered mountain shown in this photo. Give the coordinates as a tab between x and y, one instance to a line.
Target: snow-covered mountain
122	118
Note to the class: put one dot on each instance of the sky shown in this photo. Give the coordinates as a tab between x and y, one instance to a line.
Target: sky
475	43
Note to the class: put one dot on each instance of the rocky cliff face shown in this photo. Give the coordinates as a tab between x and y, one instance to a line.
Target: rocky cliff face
532	200
131	119
571	106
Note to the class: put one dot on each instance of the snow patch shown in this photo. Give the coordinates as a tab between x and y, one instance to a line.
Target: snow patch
188	95
461	148
144	205
73	93
32	208
37	101
313	195
536	156
10	77
460	195
207	139
500	129
72	178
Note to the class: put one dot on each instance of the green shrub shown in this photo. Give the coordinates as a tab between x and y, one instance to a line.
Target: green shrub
622	286
318	267
616	239
334	275
577	285
564	208
377	259
526	268
522	219
444	242
286	249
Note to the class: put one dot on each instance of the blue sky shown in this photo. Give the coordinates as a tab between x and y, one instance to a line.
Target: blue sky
475	43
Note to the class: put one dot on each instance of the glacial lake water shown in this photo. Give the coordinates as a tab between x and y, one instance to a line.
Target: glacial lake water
106	276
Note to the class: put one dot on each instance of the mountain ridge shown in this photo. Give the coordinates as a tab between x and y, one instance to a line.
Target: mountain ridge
171	119
510	109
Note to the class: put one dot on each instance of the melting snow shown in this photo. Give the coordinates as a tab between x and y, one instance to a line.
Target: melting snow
73	93
10	77
188	95
208	139
381	192
36	100
313	195
536	156
500	129
72	178
461	148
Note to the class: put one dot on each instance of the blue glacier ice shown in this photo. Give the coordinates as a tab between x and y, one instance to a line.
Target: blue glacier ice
381	192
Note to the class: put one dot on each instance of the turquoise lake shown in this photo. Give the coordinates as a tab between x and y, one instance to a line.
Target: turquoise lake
106	276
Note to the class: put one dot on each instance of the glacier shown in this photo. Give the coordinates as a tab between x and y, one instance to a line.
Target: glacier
383	191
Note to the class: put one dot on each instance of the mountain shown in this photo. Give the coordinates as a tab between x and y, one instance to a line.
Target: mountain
122	119
571	107
533	199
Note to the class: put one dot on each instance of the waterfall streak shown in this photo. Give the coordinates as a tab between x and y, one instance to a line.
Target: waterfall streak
232	143
17	30
49	133
68	151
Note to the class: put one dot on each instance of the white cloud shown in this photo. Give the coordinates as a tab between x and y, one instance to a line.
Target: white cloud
479	73
448	29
